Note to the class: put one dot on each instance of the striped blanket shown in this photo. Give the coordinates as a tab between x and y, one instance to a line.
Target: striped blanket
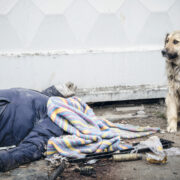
86	132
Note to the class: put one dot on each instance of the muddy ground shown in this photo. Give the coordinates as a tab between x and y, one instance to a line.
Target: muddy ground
152	114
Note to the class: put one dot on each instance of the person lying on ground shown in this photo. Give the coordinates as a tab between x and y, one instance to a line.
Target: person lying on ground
24	123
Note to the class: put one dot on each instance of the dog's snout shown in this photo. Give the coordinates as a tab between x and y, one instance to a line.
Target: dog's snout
163	52
172	56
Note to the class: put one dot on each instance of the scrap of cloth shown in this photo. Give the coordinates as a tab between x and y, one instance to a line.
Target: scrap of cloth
86	132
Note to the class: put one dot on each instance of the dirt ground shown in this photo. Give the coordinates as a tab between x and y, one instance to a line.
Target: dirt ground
152	114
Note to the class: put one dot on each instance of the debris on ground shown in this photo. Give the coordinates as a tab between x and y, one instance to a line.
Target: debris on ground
106	169
124	113
57	172
86	171
126	157
114	117
174	151
56	166
156	147
92	161
130	108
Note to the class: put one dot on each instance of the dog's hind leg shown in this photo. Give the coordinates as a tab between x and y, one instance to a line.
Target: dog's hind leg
172	113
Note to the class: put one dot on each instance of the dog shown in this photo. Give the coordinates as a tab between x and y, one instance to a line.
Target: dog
172	53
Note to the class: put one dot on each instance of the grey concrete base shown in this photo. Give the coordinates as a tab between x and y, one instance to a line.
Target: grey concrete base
121	93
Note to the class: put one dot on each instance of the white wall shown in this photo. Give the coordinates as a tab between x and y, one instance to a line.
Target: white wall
94	43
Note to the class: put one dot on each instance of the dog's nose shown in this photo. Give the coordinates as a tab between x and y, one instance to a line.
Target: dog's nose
163	52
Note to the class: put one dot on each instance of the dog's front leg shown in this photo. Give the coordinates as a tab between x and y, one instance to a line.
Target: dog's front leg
172	112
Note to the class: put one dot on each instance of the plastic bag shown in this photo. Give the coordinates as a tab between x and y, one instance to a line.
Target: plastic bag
154	144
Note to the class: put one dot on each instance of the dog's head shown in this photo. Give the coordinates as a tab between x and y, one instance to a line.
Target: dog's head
172	46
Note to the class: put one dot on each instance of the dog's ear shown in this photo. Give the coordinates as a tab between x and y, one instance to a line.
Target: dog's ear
166	38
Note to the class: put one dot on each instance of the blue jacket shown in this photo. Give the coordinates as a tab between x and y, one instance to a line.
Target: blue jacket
24	123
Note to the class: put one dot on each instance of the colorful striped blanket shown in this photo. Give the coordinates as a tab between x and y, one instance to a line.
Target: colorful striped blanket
86	132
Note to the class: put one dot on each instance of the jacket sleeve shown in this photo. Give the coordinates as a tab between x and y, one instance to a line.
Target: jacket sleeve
32	147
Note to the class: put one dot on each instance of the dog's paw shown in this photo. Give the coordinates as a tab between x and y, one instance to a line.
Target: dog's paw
172	128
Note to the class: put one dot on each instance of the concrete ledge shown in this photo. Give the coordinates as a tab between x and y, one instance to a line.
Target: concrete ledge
129	49
121	93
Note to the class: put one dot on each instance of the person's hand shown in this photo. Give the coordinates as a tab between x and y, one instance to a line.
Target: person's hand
67	89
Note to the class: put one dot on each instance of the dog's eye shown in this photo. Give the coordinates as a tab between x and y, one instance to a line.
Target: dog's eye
175	41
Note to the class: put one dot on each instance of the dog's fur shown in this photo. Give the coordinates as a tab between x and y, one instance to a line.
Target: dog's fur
172	53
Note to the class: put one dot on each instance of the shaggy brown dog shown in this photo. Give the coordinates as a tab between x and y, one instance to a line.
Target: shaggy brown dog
172	53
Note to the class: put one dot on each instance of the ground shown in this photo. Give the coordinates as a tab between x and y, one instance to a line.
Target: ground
144	113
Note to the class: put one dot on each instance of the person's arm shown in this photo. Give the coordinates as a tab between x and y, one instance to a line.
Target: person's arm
32	147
